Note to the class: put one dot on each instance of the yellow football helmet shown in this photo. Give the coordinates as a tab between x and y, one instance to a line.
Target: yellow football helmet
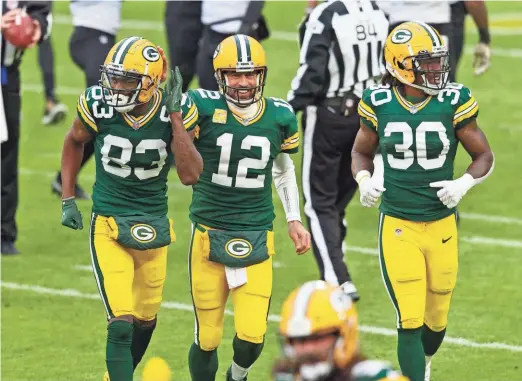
417	56
318	309
131	73
240	53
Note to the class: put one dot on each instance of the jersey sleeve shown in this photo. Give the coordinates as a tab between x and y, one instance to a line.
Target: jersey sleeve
289	127
466	109
189	111
366	111
84	109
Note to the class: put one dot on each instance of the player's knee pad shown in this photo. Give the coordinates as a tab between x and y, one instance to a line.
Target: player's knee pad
437	309
120	332
209	337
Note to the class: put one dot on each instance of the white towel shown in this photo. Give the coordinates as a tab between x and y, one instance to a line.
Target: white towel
236	277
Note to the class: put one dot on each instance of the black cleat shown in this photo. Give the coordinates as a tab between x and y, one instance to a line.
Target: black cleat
9	248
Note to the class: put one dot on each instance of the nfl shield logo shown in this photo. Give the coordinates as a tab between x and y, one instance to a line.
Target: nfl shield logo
398	232
135	125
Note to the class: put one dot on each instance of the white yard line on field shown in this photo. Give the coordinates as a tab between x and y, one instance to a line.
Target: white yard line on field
363	250
51	175
72	293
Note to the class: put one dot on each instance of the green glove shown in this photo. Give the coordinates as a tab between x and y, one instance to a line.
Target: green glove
173	91
71	216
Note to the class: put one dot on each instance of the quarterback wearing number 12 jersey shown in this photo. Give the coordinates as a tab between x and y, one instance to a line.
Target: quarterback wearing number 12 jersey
245	140
418	120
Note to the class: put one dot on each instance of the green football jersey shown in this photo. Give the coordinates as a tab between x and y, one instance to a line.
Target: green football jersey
234	191
133	156
418	145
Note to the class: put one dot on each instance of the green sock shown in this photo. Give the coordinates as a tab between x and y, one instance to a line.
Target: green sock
140	341
431	340
411	353
203	365
246	353
118	353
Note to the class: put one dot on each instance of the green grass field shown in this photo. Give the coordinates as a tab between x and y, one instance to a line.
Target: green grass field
53	323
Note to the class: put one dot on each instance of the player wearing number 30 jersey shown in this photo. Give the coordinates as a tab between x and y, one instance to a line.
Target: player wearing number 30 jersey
245	140
136	128
418	119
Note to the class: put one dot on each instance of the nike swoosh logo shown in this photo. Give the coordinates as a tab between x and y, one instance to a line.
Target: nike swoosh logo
446	240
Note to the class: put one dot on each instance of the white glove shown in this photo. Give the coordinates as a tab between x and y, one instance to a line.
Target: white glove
481	58
370	188
451	192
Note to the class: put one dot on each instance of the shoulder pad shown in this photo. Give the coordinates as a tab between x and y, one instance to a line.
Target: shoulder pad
287	121
464	104
372	98
91	108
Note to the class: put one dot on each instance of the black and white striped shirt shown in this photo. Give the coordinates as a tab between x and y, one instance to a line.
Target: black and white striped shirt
341	51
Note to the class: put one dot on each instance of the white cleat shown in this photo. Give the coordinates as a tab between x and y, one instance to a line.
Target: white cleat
427	371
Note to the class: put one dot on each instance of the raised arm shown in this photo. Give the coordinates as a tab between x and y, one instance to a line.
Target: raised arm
189	163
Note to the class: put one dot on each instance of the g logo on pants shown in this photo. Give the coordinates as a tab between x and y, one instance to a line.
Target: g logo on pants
143	233
238	248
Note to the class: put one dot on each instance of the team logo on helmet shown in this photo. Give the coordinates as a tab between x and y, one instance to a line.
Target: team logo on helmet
143	233
151	54
238	248
401	36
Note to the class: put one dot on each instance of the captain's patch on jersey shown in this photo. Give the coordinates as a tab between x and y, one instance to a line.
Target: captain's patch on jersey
143	233
238	248
220	116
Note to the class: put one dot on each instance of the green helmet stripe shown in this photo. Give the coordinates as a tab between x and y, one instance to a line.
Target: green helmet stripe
248	53
238	47
432	33
243	48
122	50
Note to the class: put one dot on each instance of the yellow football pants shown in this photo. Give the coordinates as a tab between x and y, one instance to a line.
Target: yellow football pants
210	291
130	281
419	263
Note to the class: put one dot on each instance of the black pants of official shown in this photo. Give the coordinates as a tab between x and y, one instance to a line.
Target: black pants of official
328	185
46	61
209	41
184	29
12	106
89	48
458	16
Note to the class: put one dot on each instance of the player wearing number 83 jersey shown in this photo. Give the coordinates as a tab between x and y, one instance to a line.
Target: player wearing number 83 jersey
245	140
136	128
417	119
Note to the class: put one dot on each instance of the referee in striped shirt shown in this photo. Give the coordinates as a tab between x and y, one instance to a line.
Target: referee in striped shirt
341	54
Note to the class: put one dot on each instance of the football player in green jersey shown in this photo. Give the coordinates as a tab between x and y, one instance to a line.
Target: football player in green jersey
136	128
418	119
245	140
320	338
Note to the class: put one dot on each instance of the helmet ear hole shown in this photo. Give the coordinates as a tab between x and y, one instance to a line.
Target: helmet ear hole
400	65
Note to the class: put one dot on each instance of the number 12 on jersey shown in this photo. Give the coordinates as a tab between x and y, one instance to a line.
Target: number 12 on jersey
241	181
